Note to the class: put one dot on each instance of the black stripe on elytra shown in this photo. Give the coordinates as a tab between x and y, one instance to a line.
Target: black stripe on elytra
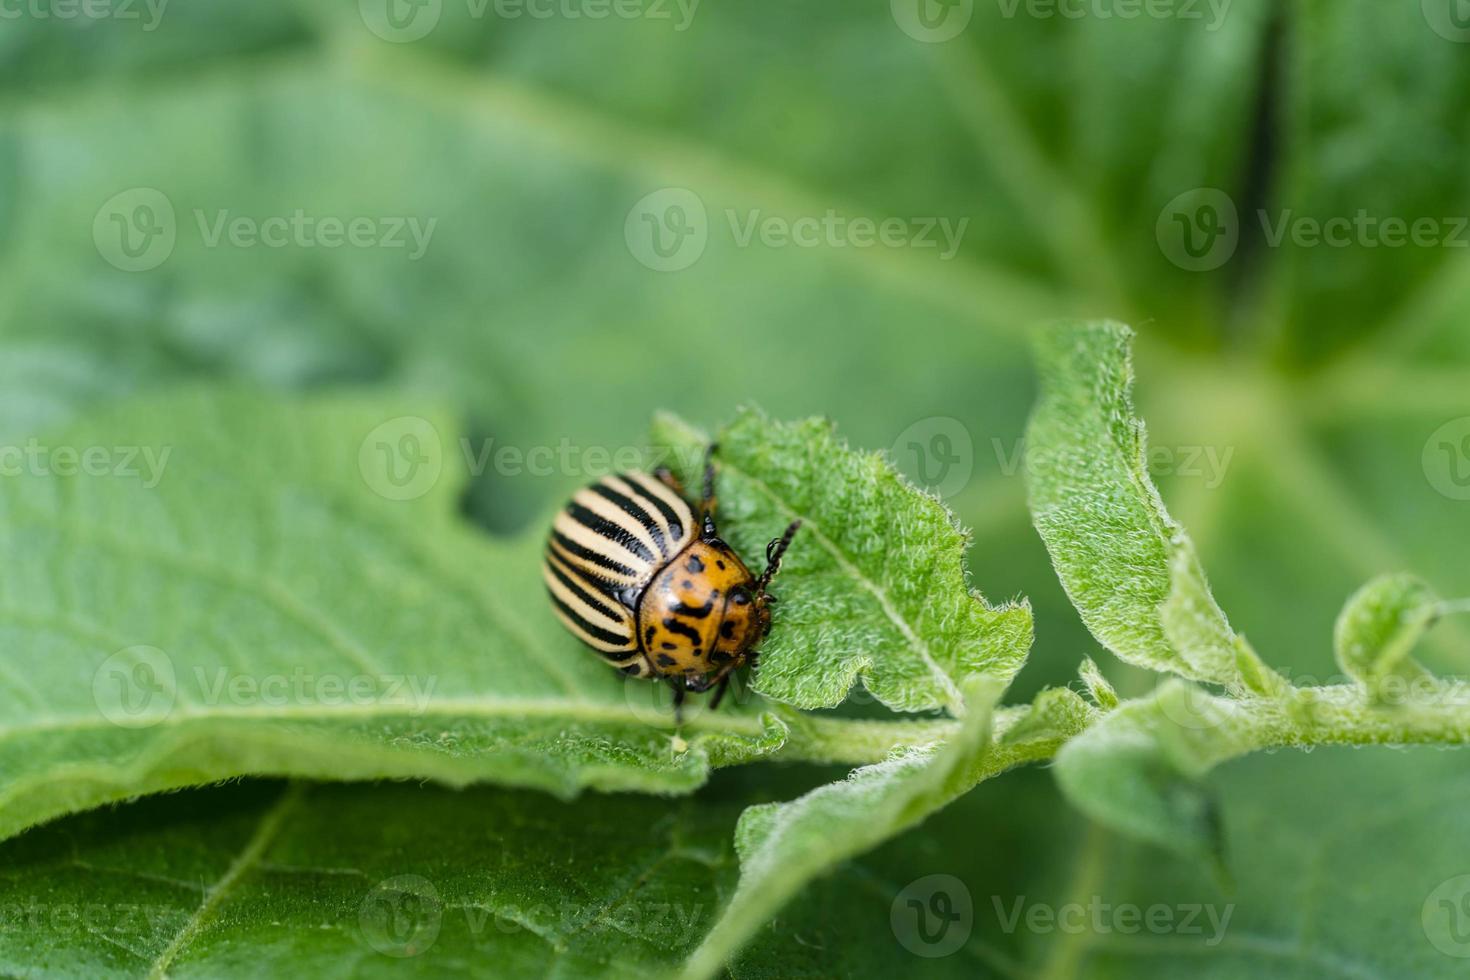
603	527
614	592
635	510
674	626
579	588
588	555
695	612
596	632
676	523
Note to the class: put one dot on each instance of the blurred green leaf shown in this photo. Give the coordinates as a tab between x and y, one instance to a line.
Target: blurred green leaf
1372	131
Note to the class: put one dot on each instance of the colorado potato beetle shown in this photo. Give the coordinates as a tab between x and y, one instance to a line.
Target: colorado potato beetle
634	575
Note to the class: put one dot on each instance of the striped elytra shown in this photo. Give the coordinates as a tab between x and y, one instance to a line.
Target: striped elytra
634	574
605	548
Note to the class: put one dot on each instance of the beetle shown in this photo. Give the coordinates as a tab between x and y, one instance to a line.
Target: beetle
634	574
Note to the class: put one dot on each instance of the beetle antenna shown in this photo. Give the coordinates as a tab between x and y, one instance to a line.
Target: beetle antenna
707	501
774	551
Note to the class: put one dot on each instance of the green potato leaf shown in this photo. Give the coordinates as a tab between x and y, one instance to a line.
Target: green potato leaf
784	846
1136	581
1128	567
275	587
1065	142
367	881
1380	626
873	587
398	877
1010	882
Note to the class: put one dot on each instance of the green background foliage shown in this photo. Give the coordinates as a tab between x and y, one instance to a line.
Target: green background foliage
1303	403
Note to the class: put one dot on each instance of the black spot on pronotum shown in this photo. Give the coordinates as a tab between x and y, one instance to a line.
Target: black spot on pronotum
648	635
740	599
720	564
674	626
688	584
720	657
668	645
694	565
665	660
695	612
727	629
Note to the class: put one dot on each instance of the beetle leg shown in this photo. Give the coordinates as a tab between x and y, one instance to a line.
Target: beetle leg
724	685
678	702
774	551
